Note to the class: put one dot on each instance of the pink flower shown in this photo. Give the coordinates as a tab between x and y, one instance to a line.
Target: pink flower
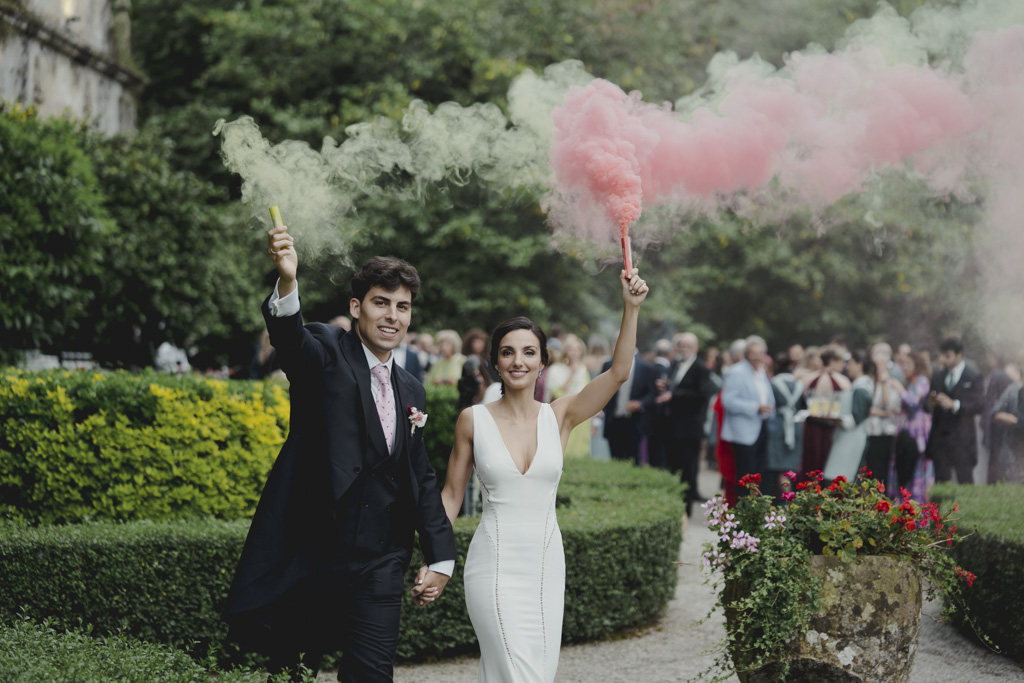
788	495
791	474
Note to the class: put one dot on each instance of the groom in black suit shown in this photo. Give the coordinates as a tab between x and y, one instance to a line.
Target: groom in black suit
957	396
323	566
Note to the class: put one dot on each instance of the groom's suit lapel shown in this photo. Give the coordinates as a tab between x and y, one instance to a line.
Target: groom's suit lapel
357	360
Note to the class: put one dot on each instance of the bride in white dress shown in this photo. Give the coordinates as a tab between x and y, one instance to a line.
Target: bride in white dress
515	567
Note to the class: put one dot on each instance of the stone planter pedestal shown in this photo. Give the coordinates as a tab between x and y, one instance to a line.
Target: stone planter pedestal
866	630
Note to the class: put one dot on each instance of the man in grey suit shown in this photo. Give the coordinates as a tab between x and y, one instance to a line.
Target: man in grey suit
748	401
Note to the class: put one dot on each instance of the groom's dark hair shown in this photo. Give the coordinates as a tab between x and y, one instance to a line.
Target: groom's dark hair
386	272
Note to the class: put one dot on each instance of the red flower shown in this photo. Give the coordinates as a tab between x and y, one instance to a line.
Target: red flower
883	505
748	479
910	526
881	487
966	575
801	486
866	471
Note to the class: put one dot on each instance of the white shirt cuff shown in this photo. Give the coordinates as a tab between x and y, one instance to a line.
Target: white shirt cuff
956	407
284	306
446	567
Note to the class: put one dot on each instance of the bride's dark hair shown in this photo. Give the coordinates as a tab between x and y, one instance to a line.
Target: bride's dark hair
519	323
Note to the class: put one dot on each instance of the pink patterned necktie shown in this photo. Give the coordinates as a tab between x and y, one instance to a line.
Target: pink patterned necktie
385	404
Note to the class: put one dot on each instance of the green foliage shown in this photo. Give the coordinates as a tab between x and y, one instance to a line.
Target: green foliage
82	445
160	582
802	282
165	582
179	266
108	249
993	550
52	236
37	652
439	432
308	70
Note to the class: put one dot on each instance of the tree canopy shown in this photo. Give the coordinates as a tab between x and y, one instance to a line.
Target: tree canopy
188	267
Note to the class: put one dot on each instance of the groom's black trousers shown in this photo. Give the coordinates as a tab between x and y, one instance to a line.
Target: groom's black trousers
352	602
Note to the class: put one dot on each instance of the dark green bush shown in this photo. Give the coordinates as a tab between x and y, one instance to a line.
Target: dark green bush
30	653
87	445
439	434
165	582
53	229
993	523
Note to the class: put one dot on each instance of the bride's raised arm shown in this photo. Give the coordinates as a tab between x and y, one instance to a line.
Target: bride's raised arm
577	408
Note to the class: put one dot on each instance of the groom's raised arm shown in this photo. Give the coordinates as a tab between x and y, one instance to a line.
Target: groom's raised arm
297	349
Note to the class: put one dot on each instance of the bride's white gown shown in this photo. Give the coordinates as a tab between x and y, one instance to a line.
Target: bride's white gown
515	567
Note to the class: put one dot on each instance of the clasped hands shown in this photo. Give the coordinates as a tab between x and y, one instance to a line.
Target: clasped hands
429	586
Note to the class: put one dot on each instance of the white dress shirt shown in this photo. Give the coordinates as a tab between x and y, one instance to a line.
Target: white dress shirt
955	372
283	306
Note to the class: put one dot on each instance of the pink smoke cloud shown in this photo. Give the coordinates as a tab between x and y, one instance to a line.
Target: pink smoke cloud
819	128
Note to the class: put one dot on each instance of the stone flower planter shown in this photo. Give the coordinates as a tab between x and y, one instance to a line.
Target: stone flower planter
866	630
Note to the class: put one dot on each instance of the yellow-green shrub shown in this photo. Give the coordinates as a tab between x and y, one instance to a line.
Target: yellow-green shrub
88	445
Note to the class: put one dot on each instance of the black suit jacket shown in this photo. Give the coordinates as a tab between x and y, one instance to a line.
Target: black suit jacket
335	433
955	432
643	390
688	406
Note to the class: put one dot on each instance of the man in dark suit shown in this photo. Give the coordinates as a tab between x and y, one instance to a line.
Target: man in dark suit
686	401
957	395
624	424
657	442
324	564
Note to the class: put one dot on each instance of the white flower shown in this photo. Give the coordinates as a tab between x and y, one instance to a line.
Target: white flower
417	418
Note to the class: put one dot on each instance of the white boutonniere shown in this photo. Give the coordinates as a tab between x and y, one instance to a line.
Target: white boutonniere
417	418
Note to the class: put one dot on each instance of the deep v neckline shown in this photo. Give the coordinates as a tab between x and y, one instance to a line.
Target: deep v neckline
505	446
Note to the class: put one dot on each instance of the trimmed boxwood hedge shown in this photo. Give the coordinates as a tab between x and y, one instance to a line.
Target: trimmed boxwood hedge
992	521
80	445
83	445
164	582
30	653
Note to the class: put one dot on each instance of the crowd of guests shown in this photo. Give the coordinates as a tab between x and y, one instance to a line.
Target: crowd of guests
910	416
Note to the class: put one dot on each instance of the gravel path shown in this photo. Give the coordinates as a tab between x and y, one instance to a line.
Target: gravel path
675	649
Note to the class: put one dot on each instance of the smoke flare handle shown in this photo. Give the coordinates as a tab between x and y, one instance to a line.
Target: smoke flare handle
275	215
627	254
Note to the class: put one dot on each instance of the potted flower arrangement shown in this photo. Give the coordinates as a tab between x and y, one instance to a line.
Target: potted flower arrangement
825	584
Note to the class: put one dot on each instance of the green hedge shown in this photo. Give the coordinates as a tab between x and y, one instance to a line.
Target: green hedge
993	522
30	653
79	445
165	582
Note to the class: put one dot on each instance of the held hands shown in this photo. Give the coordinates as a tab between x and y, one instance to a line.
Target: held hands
634	290
429	586
281	248
944	402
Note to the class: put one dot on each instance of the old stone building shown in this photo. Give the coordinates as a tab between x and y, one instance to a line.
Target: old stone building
70	56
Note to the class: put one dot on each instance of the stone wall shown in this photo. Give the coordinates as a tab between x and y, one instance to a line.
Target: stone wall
70	56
